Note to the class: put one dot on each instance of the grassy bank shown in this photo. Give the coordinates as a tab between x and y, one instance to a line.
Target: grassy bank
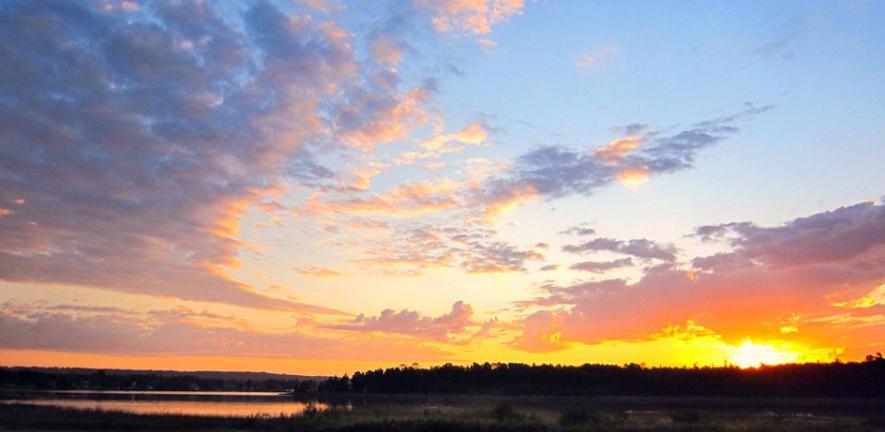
501	418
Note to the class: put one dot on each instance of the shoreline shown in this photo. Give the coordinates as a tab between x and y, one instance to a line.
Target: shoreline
499	418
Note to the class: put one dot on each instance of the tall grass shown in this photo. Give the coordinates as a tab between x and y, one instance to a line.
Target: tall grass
500	418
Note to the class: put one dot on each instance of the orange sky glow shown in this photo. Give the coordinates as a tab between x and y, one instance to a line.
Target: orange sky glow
320	187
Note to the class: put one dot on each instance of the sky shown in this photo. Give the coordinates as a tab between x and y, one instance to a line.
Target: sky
321	186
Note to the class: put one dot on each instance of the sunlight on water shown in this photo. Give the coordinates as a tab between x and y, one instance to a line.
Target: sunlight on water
190	407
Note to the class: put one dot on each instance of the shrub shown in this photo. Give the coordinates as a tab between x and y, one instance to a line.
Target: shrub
311	410
504	411
686	417
579	414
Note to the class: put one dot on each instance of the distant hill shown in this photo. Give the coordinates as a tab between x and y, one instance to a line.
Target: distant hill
217	375
41	378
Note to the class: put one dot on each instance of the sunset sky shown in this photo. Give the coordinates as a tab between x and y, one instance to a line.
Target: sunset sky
320	187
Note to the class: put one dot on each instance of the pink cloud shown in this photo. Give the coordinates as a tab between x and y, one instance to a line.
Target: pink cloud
181	331
470	16
447	327
473	134
117	203
386	51
805	273
318	271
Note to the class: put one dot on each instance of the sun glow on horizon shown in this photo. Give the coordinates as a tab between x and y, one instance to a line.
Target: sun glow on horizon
750	354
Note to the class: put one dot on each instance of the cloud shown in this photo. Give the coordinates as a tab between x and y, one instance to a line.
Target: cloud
409	199
486	46
433	166
806	274
634	177
784	44
544	173
579	230
181	331
360	179
322	5
871	300
594	59
640	248
550	172
386	50
497	257
443	328
372	224
138	161
375	111
469	16
836	235
541	174
473	134
410	251
601	266
182	116
318	271
496	205
541	332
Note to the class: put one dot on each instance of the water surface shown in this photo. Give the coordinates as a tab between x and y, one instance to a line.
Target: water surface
171	402
274	404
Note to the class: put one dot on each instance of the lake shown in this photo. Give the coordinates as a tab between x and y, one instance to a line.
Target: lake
274	404
170	402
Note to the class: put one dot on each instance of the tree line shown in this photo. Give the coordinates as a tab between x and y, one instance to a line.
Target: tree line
838	379
21	378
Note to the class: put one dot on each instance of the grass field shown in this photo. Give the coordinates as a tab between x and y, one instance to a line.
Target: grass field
501	417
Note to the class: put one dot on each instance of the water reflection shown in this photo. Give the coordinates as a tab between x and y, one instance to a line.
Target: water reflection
274	404
188	403
204	408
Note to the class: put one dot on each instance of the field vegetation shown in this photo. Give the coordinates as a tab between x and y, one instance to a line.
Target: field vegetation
501	417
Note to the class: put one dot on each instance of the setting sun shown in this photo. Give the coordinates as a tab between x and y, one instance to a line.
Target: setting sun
749	354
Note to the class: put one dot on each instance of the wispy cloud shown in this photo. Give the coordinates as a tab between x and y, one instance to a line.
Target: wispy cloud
592	60
551	172
318	271
601	266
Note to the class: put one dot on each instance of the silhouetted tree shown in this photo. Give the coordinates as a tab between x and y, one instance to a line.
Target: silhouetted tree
838	379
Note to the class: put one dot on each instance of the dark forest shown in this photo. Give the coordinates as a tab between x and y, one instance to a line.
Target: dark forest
855	379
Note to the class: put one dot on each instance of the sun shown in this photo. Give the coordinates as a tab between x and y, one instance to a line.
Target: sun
749	354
